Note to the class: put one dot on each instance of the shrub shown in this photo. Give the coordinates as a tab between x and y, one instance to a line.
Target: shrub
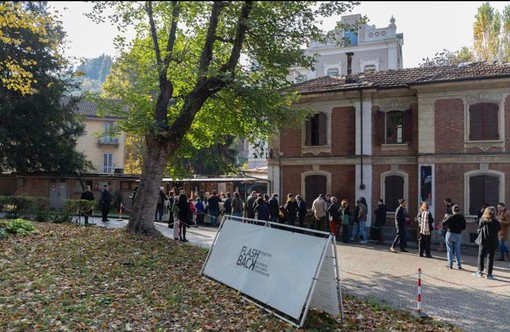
20	227
15	206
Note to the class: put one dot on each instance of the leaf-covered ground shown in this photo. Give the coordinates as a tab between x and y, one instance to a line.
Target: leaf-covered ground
75	278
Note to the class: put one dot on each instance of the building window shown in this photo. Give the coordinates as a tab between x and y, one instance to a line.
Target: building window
314	186
483	122
108	163
108	136
316	130
350	38
300	78
393	191
369	69
483	189
333	72
394	127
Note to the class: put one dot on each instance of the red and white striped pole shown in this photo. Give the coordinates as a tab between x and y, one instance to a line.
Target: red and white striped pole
418	312
418	309
120	211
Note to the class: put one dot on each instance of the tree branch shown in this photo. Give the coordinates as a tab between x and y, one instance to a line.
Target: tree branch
172	34
154	33
207	52
242	27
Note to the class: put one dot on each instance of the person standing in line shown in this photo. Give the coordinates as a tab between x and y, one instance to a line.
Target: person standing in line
346	219
106	202
454	225
360	213
425	227
193	213
504	220
301	213
320	210
227	205
487	240
380	219
334	217
250	205
274	208
291	210
214	207
171	202
400	223
89	196
184	216
160	207
133	196
200	208
261	209
237	205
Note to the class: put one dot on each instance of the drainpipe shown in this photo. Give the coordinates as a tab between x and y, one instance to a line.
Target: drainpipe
362	185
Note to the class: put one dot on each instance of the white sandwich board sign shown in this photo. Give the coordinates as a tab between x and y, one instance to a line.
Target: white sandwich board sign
282	269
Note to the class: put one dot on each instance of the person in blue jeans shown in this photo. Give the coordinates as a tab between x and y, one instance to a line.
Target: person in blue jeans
360	219
454	225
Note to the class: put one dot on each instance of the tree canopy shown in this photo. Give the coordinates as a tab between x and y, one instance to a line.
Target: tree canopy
38	131
491	34
199	72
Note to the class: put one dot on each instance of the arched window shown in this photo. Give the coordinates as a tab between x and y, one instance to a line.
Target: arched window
316	130
483	122
483	188
393	191
314	186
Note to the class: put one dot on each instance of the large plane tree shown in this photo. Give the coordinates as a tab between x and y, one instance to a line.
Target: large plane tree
200	71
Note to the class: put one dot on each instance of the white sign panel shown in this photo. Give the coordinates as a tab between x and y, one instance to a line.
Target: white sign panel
276	267
325	295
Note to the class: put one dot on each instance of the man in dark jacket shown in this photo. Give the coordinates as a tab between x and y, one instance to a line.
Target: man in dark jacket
250	205
301	214
89	196
380	220
227	205
106	202
400	223
274	208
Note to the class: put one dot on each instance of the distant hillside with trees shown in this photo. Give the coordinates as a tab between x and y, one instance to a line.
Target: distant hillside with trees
93	72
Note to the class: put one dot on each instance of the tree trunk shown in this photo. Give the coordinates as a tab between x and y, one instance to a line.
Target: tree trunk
154	163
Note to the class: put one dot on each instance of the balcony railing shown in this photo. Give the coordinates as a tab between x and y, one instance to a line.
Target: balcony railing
108	141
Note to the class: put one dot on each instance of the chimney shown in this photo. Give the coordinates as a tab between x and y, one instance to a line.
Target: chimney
349	62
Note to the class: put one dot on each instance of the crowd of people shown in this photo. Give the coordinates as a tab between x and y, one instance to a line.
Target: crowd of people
332	215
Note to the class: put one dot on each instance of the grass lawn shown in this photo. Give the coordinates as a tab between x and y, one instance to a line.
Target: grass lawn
73	278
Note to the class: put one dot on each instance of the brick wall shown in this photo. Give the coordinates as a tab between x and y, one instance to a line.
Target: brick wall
449	125
290	142
343	131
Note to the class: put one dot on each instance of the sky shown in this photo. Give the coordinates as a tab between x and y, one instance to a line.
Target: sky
428	26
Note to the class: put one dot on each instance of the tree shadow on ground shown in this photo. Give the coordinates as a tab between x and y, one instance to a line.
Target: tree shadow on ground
471	308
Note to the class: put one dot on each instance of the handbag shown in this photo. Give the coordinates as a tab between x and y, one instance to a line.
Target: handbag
345	219
409	221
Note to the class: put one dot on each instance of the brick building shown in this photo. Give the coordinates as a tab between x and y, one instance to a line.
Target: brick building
423	134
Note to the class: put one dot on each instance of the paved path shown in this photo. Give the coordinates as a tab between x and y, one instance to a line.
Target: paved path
455	296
